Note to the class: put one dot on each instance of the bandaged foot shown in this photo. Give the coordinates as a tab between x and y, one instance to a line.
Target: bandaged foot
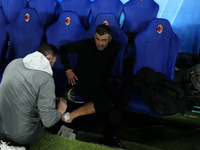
66	116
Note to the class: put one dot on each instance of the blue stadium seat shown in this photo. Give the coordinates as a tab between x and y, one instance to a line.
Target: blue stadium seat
2	68
12	8
4	36
138	14
66	29
25	34
114	7
118	35
82	8
46	10
157	48
3	42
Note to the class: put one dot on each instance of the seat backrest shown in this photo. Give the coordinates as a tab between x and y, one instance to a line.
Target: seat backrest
2	68
12	8
157	47
25	34
4	35
82	8
66	29
138	14
114	7
118	35
46	10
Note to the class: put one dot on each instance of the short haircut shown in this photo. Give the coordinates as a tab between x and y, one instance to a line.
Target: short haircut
48	49
103	29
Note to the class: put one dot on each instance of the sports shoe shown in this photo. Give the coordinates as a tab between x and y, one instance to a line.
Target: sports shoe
4	146
70	96
111	140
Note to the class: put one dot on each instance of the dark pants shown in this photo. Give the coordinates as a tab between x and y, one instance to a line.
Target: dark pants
109	101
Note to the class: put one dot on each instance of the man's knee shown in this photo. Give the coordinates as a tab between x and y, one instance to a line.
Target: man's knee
102	106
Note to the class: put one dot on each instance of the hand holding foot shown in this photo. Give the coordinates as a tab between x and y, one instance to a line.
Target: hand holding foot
66	118
62	105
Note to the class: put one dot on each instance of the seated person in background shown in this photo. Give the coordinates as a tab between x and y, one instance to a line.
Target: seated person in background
94	64
27	97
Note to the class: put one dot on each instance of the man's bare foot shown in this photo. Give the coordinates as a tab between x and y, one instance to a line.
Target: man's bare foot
66	118
62	105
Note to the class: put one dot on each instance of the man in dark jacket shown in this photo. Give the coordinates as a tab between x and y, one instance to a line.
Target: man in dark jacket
93	68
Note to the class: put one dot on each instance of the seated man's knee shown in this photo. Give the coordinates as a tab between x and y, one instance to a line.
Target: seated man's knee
102	106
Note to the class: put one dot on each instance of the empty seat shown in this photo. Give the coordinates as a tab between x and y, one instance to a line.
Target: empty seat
157	48
46	10
12	8
138	14
114	7
82	8
25	34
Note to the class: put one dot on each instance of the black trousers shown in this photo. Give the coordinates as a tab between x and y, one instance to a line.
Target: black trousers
109	101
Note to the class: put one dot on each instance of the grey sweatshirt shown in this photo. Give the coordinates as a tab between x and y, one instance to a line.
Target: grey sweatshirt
27	99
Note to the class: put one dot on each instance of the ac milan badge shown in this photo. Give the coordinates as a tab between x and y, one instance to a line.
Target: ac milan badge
159	28
27	17
67	20
106	22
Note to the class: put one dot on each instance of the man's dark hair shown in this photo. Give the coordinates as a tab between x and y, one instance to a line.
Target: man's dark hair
48	49
103	29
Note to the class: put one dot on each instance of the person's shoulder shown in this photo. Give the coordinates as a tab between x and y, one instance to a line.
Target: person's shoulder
83	41
88	40
43	77
114	44
15	61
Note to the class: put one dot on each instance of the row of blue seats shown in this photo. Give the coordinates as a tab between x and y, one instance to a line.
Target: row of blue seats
48	10
137	13
156	45
26	33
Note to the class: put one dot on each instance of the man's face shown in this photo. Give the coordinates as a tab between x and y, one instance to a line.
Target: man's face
102	41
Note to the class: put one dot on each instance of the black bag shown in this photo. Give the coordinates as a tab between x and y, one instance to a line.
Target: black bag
166	99
160	94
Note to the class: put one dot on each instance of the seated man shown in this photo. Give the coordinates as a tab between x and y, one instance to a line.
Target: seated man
27	97
94	63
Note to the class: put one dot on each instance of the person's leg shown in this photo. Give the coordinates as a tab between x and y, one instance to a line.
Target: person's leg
119	100
86	109
100	100
96	100
114	115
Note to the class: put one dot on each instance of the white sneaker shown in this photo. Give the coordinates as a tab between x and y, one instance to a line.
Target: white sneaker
4	146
